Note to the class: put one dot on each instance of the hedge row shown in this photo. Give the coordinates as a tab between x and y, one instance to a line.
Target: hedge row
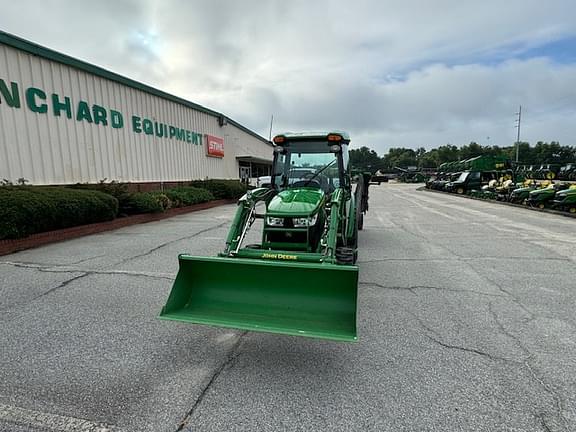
26	210
185	196
222	189
154	202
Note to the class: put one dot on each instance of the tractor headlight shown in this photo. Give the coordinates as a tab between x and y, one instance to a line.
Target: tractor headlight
274	221
305	221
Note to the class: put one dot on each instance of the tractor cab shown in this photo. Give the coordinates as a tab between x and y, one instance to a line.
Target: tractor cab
315	160
307	170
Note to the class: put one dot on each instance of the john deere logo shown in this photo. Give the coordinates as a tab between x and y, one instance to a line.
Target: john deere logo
279	256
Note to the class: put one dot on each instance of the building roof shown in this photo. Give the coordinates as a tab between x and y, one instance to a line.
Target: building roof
254	159
40	51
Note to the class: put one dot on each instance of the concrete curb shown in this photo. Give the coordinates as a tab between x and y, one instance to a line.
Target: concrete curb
40	239
509	204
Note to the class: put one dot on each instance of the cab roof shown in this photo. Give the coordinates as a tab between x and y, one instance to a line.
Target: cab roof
290	136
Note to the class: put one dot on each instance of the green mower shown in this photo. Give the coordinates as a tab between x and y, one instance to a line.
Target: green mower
566	200
542	198
520	195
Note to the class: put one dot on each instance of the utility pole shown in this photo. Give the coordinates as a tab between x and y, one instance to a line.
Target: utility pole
271	123
518	120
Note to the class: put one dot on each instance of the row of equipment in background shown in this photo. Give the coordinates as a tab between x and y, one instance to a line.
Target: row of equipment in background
486	177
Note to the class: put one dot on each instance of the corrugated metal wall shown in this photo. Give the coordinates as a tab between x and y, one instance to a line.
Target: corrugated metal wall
48	149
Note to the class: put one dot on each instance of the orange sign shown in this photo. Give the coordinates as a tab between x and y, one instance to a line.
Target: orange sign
214	146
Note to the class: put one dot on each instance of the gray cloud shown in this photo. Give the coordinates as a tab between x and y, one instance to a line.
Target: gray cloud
394	73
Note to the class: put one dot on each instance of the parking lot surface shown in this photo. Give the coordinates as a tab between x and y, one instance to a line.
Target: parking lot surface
466	323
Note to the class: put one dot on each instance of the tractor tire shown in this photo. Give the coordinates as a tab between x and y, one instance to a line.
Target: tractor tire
541	206
345	255
572	210
460	191
355	249
353	241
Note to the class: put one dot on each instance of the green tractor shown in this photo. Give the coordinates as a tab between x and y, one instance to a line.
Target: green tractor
566	200
301	279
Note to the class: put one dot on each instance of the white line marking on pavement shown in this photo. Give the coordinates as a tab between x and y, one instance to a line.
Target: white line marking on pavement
52	422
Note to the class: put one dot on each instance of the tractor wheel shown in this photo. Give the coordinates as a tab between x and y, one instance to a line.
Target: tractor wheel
541	206
460	191
353	242
345	255
572	210
355	239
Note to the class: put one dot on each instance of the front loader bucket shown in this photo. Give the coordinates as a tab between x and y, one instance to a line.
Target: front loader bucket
295	298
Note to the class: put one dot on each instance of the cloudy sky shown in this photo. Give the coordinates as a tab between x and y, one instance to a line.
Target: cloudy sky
391	72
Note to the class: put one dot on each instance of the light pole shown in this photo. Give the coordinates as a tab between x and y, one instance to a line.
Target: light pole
518	120
271	123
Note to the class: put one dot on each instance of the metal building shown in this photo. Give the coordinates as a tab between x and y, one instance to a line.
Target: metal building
65	121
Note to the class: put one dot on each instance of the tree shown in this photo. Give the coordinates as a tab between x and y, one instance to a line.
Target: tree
471	150
420	151
365	159
429	159
399	157
447	153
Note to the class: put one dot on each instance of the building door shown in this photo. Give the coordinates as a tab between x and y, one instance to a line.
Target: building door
245	174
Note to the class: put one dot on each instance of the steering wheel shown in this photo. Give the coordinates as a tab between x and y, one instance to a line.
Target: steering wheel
308	175
309	183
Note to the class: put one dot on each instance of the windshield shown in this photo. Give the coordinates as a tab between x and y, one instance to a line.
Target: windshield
463	176
307	164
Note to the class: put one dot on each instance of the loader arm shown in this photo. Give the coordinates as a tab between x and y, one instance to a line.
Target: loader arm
244	217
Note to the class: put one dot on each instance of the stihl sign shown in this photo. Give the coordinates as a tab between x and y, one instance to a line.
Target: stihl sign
214	146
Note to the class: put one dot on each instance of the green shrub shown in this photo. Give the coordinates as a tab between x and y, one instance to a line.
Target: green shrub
124	204
163	200
26	210
114	188
185	196
142	202
222	189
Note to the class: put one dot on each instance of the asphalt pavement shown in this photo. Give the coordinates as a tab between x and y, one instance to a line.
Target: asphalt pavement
466	323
